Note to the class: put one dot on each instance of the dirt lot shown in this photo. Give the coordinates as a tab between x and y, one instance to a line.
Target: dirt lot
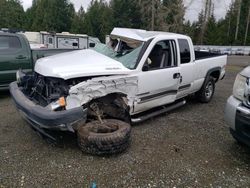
189	147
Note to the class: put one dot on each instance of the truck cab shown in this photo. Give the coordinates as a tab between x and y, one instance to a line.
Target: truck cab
170	64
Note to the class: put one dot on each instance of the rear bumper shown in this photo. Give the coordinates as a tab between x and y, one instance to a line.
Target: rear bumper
42	118
237	117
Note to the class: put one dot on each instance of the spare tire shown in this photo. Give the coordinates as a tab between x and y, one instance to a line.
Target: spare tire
110	137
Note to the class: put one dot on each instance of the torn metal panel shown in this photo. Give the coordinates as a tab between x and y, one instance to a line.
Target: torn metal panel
86	91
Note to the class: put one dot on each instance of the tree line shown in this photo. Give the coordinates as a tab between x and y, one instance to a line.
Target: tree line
101	17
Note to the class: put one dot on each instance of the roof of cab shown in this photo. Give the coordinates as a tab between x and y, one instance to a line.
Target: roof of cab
10	34
141	35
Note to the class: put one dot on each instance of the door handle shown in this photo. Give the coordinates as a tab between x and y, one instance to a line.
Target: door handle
176	75
20	57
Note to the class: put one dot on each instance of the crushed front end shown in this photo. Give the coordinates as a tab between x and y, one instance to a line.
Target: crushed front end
41	101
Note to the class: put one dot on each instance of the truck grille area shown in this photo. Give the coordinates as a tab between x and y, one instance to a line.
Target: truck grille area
44	90
242	125
246	103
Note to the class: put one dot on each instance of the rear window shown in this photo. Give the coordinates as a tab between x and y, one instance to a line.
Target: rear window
9	43
184	51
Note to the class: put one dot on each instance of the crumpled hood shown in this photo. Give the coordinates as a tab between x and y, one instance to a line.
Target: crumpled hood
79	63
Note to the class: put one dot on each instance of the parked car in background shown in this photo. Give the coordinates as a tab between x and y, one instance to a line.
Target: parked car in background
239	51
237	110
204	50
15	54
215	50
141	75
227	51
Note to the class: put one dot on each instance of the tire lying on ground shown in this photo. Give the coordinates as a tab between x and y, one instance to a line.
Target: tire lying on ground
110	137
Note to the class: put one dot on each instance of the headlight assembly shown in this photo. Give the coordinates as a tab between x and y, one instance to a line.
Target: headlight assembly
19	75
61	102
240	86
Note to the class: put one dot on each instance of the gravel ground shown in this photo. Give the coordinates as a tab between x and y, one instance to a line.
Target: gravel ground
190	147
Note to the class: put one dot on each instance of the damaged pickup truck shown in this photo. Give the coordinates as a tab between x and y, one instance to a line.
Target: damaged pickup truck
98	92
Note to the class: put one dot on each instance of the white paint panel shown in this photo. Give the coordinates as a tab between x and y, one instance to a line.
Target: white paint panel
79	63
154	82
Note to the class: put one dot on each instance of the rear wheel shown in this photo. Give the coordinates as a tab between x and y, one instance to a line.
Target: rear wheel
207	91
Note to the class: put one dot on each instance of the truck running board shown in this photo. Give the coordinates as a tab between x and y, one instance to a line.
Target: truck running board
163	110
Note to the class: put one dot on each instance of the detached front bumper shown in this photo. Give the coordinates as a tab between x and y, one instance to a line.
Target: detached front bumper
237	117
42	118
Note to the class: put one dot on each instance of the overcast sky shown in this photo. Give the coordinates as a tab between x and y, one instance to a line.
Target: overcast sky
193	7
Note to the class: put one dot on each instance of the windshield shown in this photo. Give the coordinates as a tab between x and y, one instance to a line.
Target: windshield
128	57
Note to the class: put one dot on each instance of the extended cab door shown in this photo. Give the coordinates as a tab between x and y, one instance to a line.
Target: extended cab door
14	55
160	76
187	66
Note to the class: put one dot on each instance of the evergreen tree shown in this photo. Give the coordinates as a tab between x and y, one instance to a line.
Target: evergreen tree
97	20
150	12
222	33
188	29
11	14
211	35
78	22
126	13
197	37
101	17
243	22
172	12
50	15
229	24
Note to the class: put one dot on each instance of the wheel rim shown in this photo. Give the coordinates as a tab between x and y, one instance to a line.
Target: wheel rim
104	128
209	90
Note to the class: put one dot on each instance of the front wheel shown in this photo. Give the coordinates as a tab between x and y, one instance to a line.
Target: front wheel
207	91
109	137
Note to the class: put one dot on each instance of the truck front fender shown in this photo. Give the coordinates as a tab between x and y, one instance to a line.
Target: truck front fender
86	91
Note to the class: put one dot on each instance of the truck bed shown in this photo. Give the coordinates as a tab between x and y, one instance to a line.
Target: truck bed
204	55
210	63
40	53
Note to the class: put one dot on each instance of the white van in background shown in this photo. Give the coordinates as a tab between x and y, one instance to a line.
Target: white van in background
64	40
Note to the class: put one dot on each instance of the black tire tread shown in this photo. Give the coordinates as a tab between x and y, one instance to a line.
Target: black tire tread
200	95
103	144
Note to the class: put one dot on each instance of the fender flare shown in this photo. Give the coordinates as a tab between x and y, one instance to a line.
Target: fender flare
210	71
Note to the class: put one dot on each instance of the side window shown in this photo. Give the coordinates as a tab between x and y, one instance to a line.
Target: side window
9	43
50	40
184	51
163	55
75	44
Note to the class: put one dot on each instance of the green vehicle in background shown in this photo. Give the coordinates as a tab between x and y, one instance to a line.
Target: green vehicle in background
15	54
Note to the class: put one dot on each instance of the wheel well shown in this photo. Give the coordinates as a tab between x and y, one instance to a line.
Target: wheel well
215	75
111	97
113	105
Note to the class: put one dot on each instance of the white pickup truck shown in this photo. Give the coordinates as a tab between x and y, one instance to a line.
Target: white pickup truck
138	75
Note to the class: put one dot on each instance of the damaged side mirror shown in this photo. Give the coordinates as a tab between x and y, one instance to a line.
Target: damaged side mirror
91	45
145	67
